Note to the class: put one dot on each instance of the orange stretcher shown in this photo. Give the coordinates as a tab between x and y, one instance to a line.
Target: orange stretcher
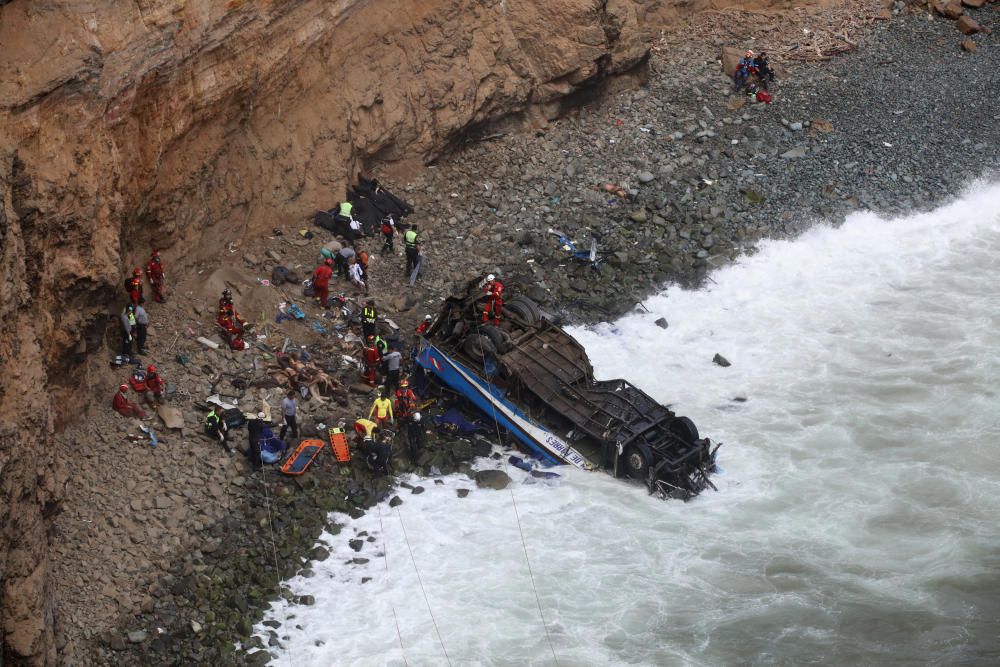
302	457
338	443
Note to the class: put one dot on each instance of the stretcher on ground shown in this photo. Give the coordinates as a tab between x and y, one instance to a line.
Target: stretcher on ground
339	446
302	457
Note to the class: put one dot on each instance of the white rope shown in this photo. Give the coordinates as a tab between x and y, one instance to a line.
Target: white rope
274	552
422	589
385	556
517	515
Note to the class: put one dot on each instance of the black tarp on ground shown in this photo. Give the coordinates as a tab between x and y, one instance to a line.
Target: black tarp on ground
371	203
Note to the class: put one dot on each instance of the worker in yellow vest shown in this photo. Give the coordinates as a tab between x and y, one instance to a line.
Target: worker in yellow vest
381	410
412	245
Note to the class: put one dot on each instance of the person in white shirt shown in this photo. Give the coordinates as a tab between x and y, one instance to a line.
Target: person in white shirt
356	276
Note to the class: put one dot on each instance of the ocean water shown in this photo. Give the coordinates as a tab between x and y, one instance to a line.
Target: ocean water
856	521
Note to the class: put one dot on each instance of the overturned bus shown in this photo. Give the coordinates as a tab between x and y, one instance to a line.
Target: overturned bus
536	381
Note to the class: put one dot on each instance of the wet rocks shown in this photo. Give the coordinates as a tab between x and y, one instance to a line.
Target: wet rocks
662	323
720	360
492	479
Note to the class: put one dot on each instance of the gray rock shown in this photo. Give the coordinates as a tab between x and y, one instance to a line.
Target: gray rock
396	501
356	544
638	216
417	491
462	493
492	479
319	553
720	360
116	643
258	659
795	153
646	176
137	636
662	323
307	600
795	127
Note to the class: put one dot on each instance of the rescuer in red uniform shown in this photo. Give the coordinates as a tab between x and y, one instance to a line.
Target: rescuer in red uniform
134	287
154	272
321	281
494	304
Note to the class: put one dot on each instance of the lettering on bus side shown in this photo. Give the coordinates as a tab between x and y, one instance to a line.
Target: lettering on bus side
555	443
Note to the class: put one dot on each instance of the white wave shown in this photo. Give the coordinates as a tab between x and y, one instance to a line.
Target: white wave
856	518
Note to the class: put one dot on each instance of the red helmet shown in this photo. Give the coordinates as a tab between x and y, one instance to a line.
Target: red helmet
151	368
404	383
123	387
329	261
137	272
156	253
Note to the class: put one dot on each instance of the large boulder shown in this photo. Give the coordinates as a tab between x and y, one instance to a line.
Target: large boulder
492	479
730	58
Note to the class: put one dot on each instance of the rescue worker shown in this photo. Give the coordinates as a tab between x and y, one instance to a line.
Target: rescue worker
745	68
141	328
425	325
226	307
415	436
157	279
381	410
125	407
154	384
345	211
216	427
357	275
381	346
388	233
362	258
494	304
764	71
128	328
369	319
289	408
392	360
226	302
365	428
371	357
412	246
231	331
376	453
342	260
321	281
406	401
133	286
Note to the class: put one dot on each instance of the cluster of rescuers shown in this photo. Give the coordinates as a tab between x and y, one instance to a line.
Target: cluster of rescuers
394	402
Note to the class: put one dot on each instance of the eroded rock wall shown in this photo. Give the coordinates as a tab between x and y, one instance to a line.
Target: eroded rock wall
186	124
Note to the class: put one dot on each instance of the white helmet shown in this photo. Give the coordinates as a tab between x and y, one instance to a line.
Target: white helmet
261	416
416	417
490	278
428	317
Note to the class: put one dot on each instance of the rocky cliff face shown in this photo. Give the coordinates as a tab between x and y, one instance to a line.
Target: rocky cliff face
189	123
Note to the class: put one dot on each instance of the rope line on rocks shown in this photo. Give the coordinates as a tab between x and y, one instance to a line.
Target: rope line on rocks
517	515
385	556
274	552
422	589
